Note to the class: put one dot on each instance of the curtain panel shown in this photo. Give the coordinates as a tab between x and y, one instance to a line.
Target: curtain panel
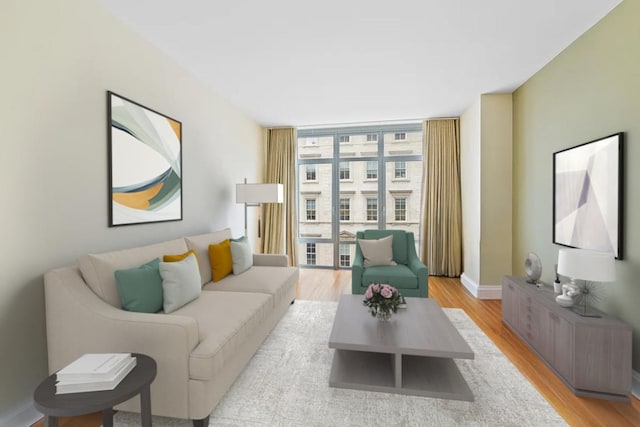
280	220
441	200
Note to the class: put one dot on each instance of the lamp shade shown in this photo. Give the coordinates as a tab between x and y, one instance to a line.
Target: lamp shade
259	193
588	265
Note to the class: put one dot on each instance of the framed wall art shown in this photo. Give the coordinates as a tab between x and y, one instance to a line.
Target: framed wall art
145	164
587	195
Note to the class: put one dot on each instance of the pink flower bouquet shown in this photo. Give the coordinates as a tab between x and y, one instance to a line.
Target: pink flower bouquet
382	300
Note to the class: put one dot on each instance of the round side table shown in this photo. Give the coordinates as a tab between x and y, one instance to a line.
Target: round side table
138	381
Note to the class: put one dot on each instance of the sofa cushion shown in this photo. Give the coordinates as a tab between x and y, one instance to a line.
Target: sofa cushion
399	276
274	281
180	282
179	257
400	248
241	255
98	269
140	288
225	321
200	244
220	258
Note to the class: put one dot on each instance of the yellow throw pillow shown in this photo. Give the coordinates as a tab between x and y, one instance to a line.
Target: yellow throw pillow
179	257
221	261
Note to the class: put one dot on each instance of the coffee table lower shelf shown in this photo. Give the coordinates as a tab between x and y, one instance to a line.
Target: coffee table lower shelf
397	373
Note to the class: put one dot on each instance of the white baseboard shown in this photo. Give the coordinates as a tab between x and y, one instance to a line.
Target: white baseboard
481	292
635	384
23	416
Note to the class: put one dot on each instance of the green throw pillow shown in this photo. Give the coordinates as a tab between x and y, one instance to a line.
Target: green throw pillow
180	282
241	255
140	288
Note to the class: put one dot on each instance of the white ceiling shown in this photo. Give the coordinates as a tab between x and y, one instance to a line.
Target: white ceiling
300	63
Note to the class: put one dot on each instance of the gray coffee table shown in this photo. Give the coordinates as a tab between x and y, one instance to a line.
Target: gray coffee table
410	354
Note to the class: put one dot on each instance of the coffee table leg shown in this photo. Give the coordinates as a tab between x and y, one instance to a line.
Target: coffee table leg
145	406
107	417
397	370
50	421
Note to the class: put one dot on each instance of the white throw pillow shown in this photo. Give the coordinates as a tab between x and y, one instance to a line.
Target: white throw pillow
241	255
377	251
180	282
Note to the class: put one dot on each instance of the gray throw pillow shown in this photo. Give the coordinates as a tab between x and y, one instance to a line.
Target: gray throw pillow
241	255
180	282
377	251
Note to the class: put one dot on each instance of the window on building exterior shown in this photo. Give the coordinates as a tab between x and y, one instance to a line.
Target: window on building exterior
345	171
345	209
312	173
400	209
311	209
400	170
344	138
372	209
400	136
372	170
311	253
372	137
345	255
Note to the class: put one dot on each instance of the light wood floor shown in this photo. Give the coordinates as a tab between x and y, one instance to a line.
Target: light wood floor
328	285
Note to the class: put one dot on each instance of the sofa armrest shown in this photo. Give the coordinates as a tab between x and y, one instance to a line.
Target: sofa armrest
79	322
270	260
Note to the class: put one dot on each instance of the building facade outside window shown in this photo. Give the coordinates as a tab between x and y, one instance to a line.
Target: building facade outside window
344	139
400	136
400	211
311	209
372	137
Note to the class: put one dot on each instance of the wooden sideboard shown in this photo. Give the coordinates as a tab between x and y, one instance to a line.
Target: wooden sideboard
591	355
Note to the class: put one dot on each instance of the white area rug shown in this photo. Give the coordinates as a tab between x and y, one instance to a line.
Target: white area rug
286	384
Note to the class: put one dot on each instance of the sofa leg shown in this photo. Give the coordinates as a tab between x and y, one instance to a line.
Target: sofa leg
292	301
201	423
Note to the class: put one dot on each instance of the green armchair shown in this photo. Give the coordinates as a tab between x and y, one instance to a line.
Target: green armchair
409	276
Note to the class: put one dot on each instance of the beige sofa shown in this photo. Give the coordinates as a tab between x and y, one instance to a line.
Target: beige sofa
200	348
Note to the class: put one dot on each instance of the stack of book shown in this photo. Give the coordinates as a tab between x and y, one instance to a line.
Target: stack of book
94	372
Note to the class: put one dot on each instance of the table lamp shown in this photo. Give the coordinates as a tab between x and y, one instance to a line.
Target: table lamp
585	267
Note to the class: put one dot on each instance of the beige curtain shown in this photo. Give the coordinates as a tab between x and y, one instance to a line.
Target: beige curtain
280	220
441	200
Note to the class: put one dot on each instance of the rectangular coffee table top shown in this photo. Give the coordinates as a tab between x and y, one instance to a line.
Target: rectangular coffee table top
421	329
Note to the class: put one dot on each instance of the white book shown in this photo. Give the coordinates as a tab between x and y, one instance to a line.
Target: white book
65	387
95	366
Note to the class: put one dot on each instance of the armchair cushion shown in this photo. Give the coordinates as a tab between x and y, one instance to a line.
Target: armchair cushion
377	251
399	276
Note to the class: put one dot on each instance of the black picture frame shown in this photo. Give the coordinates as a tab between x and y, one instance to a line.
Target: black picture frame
588	195
145	164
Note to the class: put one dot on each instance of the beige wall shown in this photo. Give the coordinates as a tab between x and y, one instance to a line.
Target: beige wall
58	61
470	168
486	154
588	91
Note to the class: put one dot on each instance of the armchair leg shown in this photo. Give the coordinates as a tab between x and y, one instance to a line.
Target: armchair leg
201	423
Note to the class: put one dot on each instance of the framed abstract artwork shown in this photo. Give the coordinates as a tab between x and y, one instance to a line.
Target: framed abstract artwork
587	195
145	164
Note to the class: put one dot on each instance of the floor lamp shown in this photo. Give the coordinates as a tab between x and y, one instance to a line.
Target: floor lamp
255	194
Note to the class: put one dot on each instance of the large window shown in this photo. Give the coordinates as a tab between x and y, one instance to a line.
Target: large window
352	179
